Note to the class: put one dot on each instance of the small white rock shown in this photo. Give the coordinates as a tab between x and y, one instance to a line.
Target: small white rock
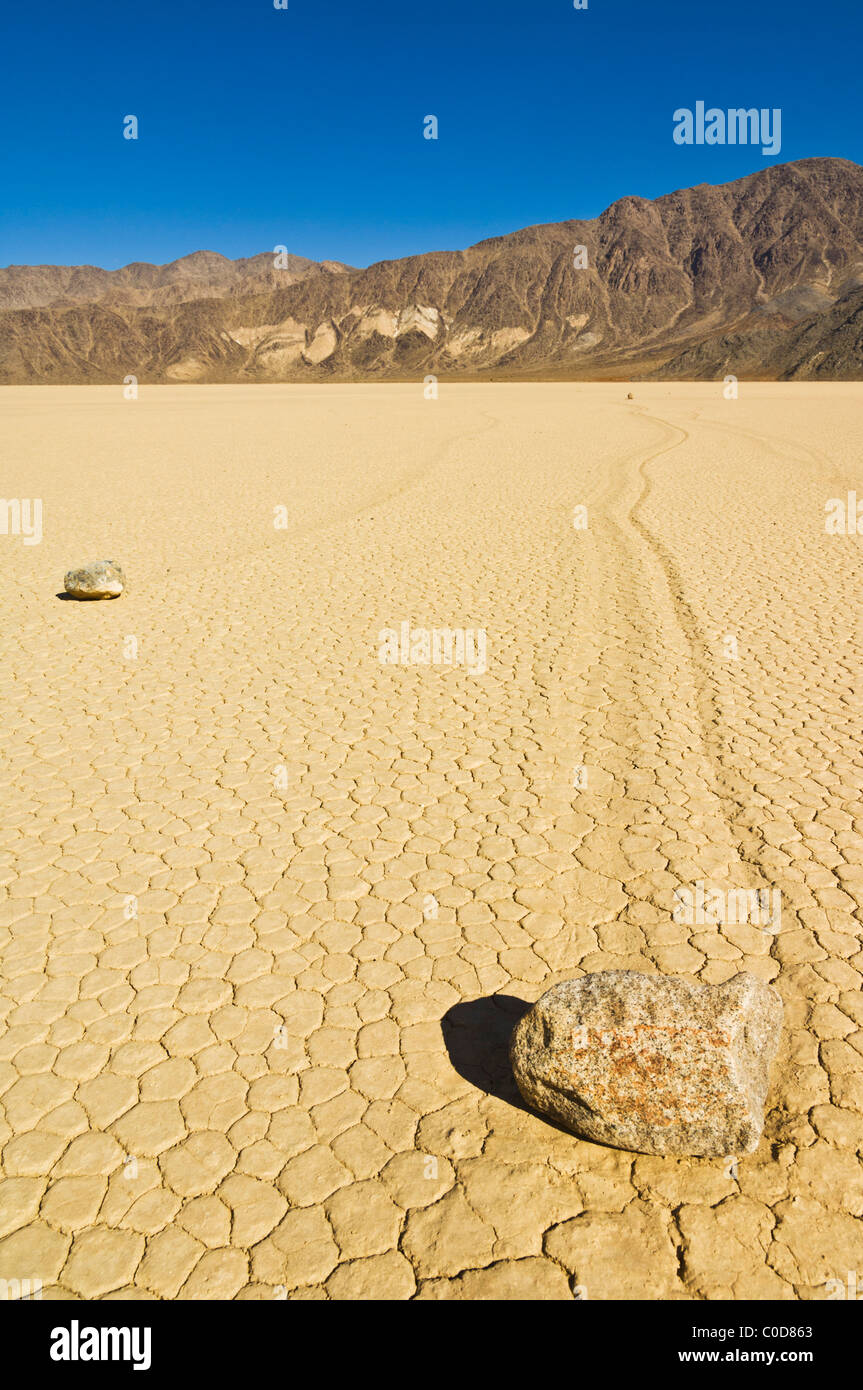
101	579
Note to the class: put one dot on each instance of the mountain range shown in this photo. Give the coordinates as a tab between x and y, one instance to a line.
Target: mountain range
762	278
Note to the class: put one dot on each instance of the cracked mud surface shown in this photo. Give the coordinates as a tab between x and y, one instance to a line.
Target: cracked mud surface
286	1075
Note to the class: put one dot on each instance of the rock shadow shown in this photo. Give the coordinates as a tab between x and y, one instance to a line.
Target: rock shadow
83	598
476	1034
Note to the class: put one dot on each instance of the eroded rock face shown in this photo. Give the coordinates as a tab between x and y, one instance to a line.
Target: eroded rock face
651	1063
102	579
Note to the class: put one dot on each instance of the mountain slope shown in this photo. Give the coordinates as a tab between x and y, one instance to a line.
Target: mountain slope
139	284
758	275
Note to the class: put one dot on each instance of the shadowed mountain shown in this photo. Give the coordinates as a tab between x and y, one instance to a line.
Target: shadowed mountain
760	277
826	346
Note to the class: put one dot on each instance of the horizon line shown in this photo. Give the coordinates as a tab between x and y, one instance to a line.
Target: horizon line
455	250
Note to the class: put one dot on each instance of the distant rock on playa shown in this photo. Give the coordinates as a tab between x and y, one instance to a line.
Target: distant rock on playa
651	1063
102	579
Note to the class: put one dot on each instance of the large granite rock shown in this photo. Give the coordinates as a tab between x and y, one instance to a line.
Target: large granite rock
102	579
651	1063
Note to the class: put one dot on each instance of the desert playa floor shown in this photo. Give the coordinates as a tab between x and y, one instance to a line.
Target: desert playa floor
271	907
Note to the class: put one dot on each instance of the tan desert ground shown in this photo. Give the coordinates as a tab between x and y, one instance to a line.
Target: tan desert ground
271	907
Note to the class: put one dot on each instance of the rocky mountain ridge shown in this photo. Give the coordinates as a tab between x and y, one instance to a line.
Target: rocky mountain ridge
762	277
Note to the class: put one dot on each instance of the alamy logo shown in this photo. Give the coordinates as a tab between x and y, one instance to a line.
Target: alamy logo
836	1289
703	906
14	1289
77	1343
844	516
19	516
436	646
738	126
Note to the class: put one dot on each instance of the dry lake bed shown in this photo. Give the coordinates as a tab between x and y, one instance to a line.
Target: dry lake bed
412	709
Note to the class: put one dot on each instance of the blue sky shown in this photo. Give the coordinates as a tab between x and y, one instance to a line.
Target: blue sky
304	127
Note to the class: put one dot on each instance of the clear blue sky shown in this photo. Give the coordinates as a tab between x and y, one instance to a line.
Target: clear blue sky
304	127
